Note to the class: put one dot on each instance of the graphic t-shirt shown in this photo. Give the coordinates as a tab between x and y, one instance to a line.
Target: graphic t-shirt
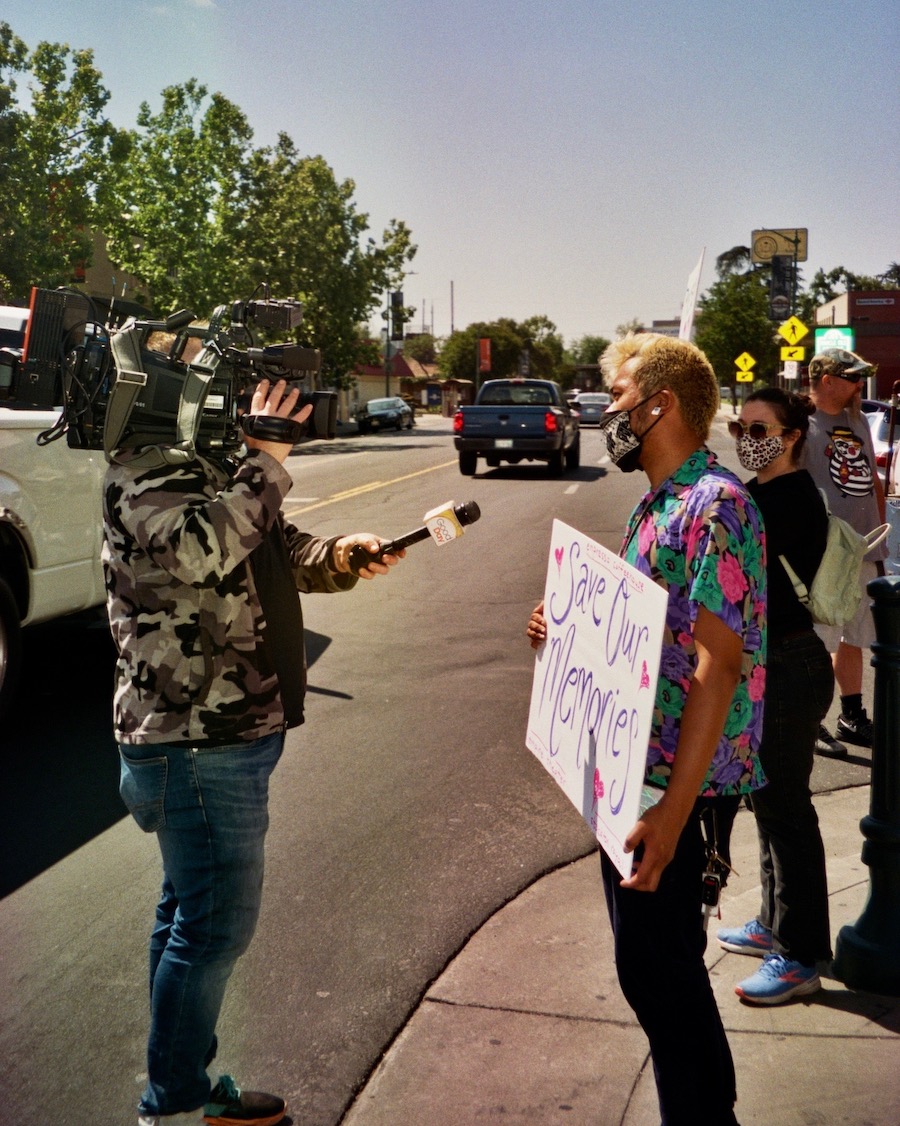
700	537
840	458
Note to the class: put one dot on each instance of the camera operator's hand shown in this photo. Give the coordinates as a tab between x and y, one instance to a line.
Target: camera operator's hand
271	399
345	545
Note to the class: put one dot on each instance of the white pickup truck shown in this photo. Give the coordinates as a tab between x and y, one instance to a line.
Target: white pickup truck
50	522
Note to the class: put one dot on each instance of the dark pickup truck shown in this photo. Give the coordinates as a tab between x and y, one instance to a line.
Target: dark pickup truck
517	420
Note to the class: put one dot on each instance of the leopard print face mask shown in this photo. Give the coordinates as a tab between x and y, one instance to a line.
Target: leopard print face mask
756	453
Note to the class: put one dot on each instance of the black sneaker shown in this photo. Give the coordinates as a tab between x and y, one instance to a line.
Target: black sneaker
230	1106
855	728
826	744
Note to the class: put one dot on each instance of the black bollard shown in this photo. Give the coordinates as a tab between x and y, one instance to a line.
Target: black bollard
867	954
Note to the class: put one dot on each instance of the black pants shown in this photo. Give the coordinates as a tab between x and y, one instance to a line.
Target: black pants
659	946
799	686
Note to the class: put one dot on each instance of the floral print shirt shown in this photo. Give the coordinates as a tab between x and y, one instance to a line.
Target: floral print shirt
700	537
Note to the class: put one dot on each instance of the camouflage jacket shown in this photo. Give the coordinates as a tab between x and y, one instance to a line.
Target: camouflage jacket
183	606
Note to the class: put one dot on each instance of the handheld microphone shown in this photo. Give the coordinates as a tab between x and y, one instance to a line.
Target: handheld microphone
443	524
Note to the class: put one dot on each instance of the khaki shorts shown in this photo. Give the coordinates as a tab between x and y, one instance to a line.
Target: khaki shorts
860	631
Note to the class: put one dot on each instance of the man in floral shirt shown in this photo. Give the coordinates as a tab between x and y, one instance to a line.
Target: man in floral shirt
698	534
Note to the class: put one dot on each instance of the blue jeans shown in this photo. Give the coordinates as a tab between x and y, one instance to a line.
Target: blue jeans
209	809
659	946
799	686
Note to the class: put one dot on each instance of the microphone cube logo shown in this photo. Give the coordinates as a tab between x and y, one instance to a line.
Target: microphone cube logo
442	524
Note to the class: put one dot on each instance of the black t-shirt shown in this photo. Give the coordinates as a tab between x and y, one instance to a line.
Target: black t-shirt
796	526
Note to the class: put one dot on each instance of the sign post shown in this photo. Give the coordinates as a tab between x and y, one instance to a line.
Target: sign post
744	362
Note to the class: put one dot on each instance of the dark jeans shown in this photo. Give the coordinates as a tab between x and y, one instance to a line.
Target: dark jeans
799	686
209	810
659	945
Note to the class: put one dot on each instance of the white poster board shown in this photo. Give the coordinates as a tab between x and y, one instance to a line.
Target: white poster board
595	683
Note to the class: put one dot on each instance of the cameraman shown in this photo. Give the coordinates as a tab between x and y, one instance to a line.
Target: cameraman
202	575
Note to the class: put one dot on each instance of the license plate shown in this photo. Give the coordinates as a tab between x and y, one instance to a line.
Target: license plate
503	443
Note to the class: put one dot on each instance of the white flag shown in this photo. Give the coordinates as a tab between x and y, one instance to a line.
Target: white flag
690	301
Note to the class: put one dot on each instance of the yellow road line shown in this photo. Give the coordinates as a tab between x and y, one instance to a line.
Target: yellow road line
367	489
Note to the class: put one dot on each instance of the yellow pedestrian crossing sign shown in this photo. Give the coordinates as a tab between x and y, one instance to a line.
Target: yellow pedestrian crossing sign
745	362
793	355
792	330
744	377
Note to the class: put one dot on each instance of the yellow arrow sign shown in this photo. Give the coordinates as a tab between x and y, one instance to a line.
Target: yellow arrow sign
745	361
744	377
792	330
793	354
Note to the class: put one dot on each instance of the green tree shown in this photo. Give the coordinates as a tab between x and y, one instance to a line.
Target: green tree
298	228
738	260
733	317
169	207
509	340
55	155
587	349
421	347
634	325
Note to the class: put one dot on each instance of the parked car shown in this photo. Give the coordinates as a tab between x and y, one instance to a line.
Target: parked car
384	414
880	427
872	406
591	407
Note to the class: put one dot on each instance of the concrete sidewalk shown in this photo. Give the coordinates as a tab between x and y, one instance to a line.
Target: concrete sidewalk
527	1024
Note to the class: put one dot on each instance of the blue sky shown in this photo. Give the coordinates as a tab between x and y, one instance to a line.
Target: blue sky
566	158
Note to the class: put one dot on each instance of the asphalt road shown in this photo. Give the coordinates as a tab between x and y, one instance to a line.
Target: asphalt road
404	813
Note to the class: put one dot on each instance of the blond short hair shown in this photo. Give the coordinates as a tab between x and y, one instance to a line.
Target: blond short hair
664	363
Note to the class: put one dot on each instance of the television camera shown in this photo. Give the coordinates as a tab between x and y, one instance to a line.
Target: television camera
121	389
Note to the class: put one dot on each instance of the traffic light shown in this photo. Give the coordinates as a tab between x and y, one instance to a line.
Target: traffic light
398	315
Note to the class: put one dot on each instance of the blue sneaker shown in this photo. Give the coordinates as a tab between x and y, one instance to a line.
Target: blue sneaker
778	979
752	938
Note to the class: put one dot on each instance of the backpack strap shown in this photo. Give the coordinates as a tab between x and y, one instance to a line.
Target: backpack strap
875	537
796	582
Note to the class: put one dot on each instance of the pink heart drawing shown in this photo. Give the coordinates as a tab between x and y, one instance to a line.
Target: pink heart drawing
559	556
599	789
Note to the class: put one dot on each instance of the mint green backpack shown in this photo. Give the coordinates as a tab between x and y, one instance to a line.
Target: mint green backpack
835	593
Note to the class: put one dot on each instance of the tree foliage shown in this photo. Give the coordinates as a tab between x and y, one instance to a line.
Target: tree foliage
825	286
185	201
54	152
733	317
422	347
587	349
169	201
535	337
299	230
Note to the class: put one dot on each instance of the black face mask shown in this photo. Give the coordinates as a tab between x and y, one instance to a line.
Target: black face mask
622	444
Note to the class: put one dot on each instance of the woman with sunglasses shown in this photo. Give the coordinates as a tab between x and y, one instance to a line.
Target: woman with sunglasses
791	932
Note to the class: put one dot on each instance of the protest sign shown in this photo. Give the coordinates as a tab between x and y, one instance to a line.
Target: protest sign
595	683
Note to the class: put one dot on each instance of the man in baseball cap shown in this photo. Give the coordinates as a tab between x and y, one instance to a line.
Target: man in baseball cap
841	460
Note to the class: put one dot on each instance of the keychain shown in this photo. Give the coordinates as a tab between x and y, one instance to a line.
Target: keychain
716	867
